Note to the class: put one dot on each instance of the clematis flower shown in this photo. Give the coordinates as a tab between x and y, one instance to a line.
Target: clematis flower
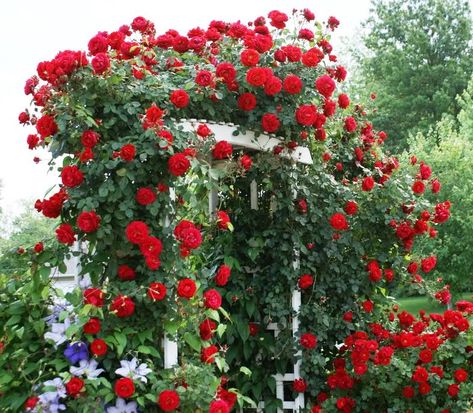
87	368
58	332
132	370
76	352
121	406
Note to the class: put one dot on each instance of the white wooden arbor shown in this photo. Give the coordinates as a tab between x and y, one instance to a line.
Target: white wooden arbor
248	141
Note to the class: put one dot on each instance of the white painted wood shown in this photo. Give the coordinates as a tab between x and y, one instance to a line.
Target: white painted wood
254	194
266	143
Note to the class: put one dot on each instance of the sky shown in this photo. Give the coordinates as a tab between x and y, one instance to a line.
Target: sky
33	31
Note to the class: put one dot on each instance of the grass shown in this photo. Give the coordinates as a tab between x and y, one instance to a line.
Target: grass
414	304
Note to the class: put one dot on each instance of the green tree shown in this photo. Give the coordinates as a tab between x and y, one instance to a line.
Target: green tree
24	231
416	55
452	161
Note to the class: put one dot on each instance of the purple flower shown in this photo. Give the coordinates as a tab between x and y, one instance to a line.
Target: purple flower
76	352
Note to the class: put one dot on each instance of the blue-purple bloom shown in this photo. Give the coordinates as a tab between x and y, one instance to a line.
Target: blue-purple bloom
76	352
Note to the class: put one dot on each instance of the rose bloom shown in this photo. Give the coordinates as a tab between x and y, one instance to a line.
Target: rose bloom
178	164
350	124
46	126
31	402
453	390
292	84
94	296
186	288
207	354
168	400
222	150
270	122
92	326
206	329
203	131
124	387
98	347
126	273
257	76
308	341
204	78
100	63
367	184
74	386
418	187
351	208
219	406
212	299
339	222
305	281
179	98
223	220
122	306
127	152
246	162
299	385
136	232
65	234
306	115
325	85
460	375
223	275
39	247
343	101
88	221
249	57
157	291
246	101
71	176
145	196
226	71
428	264
89	138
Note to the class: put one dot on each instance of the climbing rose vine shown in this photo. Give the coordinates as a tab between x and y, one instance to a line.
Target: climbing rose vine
132	127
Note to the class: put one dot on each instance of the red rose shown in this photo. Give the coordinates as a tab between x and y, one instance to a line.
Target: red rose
222	150
351	208
186	288
306	115
89	138
157	291
136	232
305	281
88	221
339	222
94	296
145	196
246	162
226	71
126	273
191	238
308	341
435	186
71	176
293	53
23	118
270	122
122	306
367	184
453	390
98	44
254	329
299	385
348	316
418	187
178	164
92	326
343	101
420	375
325	85
249	57
100	63
219	406
32	141
278	19
98	347
350	124
428	264
74	386
204	78
65	234
206	329
247	101
257	76
139	24
153	117
425	171
212	299
292	84
273	86
31	402
368	306
127	152
312	57
302	206
203	131
460	375
408	392
223	275
168	400
46	126
179	98
152	262
38	248
223	220
124	387
207	354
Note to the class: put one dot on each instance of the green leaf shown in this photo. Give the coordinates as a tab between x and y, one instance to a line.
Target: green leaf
193	341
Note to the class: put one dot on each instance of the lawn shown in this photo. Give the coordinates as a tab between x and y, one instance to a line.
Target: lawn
414	304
